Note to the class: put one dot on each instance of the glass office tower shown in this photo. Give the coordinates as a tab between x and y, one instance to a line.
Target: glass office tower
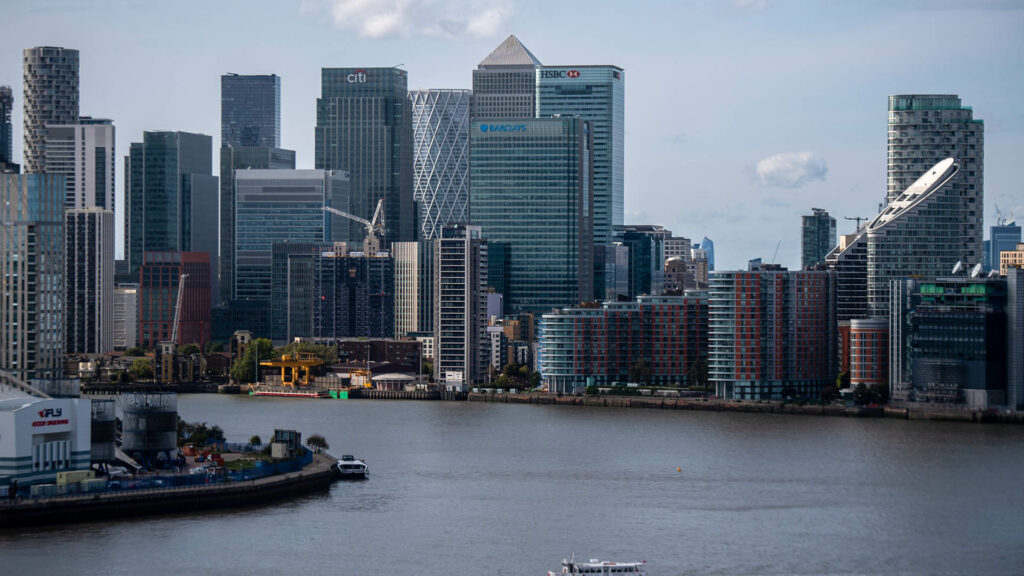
364	126
250	110
596	94
504	83
6	128
818	237
532	193
440	137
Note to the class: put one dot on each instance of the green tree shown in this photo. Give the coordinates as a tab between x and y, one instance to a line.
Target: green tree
136	351
243	370
124	377
214	346
256	440
188	349
534	380
592	390
698	373
640	372
141	368
317	443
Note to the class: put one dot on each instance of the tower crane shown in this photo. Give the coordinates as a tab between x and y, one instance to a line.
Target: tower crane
856	219
177	308
374	228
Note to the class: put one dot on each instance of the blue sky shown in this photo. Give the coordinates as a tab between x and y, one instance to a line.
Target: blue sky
740	115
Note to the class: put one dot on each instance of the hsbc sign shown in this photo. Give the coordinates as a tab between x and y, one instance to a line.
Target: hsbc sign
559	73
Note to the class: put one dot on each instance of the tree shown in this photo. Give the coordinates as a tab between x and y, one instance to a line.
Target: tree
136	351
188	349
243	370
214	346
534	380
640	372
141	368
317	443
698	373
256	440
124	377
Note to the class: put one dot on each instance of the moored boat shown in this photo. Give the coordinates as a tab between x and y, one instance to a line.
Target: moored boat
351	469
595	566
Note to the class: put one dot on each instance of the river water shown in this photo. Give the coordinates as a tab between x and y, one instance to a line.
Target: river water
472	488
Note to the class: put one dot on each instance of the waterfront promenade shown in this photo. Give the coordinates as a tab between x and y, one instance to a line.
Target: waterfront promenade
316	476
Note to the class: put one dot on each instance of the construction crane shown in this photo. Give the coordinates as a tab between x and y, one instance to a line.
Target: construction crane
856	219
776	254
374	228
177	308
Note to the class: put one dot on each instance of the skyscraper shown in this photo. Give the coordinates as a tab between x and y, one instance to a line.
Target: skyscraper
849	261
32	275
461	343
414	286
709	250
818	235
89	280
354	295
504	83
440	143
598	95
531	183
51	97
160	280
923	130
646	245
250	110
170	196
84	153
233	159
918	234
1003	237
6	128
293	294
274	206
364	126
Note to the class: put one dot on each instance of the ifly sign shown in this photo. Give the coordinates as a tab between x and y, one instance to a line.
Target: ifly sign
503	127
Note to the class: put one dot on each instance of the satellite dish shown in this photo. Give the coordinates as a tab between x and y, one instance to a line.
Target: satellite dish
958	268
976	271
993	273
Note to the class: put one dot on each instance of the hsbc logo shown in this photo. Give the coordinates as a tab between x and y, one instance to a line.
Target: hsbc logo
357	77
559	73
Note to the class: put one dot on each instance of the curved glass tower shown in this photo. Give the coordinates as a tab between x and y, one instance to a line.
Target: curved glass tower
440	164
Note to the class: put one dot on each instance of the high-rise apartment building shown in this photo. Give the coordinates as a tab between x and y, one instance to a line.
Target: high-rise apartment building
233	159
772	333
6	128
818	238
440	166
918	234
250	110
461	343
611	271
354	296
1015	338
364	126
89	280
160	280
646	245
274	206
709	251
84	153
678	246
505	83
924	129
849	261
531	183
1003	237
596	94
32	275
51	97
125	316
170	196
293	293
1011	259
414	287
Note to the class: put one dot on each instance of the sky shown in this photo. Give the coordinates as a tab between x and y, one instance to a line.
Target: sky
741	115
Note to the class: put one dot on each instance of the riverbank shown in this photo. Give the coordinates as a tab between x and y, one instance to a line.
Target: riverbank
314	477
704	404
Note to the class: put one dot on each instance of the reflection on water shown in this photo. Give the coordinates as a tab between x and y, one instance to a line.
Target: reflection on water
486	489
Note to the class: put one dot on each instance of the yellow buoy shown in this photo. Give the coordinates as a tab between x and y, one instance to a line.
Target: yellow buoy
679	469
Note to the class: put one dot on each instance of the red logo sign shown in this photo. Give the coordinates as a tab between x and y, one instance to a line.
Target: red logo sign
573	73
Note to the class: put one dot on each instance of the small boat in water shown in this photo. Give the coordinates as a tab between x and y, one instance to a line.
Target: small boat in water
595	566
351	469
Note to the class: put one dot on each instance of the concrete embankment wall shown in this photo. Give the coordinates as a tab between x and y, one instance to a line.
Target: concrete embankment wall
113	505
666	403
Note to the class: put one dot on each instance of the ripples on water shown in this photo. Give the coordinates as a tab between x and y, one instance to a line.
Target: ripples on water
467	488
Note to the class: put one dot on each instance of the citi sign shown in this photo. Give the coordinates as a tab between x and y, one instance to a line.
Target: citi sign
503	127
559	73
357	77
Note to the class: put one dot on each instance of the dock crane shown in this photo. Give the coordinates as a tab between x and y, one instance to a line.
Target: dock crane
374	228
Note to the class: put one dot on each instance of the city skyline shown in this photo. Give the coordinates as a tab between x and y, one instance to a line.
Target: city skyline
739	165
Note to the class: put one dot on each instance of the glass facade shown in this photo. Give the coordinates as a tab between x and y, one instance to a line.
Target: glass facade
354	296
273	206
89	280
596	94
293	290
50	97
250	110
240	158
84	154
504	83
6	128
364	126
440	133
646	246
414	287
532	193
818	235
461	343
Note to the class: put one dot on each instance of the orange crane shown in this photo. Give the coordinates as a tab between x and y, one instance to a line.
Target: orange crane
295	368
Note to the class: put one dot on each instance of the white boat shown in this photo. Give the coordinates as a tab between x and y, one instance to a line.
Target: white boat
351	469
595	566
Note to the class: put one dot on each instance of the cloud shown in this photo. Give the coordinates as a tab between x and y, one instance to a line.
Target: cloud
751	5
404	18
791	170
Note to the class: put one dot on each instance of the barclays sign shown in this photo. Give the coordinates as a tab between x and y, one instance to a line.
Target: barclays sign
503	127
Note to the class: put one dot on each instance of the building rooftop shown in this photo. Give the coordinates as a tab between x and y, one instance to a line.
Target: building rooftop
511	52
922	188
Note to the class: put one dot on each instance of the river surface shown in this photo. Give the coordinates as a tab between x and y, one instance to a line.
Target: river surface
485	489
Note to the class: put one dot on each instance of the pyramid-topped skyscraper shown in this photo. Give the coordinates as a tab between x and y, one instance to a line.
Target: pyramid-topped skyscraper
504	83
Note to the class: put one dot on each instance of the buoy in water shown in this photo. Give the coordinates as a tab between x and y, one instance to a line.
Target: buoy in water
679	469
